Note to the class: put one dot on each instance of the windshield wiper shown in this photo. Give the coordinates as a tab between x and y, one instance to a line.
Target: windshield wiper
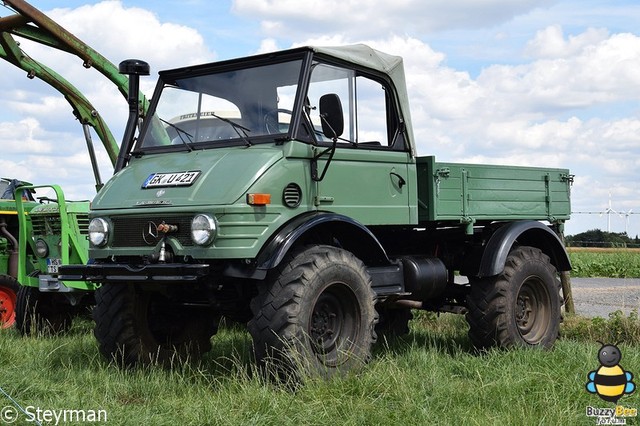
236	127
180	133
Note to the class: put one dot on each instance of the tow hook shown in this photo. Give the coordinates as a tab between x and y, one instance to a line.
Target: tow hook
164	228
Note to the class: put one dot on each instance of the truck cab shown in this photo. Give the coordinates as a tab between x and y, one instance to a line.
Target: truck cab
284	191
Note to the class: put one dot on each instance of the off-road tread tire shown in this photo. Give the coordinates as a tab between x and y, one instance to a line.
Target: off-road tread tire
42	313
124	336
491	302
283	307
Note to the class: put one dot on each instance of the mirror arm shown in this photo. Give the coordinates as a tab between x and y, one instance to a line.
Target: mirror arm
314	162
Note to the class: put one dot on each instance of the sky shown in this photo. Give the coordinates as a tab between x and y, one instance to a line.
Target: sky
552	83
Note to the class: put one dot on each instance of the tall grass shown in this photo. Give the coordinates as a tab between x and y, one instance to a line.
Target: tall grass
431	376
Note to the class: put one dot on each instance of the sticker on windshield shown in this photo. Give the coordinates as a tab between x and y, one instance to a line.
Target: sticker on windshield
171	179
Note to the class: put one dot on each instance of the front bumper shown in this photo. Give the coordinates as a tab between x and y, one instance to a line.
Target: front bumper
113	272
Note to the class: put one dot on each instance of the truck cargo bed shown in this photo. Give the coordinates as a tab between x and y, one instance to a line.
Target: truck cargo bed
468	193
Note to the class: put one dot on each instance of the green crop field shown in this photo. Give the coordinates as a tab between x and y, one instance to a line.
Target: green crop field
431	376
611	263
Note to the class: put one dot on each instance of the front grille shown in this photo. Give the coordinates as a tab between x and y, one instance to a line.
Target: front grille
130	231
51	225
46	225
83	223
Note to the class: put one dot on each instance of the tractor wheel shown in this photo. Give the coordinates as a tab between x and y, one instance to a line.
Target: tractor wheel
38	312
135	326
317	316
8	289
519	307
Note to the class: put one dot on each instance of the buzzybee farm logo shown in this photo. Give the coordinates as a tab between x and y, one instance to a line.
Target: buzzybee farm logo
610	382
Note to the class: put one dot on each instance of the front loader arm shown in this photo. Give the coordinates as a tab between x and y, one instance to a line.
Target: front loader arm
31	24
82	108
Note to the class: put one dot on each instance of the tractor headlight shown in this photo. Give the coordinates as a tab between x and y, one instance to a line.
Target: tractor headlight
42	249
98	232
203	229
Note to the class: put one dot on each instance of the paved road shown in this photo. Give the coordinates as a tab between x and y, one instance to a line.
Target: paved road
598	297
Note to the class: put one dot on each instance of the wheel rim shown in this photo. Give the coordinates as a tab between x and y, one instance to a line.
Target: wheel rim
532	310
7	307
334	324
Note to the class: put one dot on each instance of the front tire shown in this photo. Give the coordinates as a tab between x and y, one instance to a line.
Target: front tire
38	312
8	289
317	317
135	326
519	307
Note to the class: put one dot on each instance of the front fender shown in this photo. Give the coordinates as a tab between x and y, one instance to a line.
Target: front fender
310	228
529	233
342	230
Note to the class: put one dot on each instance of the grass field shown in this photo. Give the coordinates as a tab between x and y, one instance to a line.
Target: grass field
431	376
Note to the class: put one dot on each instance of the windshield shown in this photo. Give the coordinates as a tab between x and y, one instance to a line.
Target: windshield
227	106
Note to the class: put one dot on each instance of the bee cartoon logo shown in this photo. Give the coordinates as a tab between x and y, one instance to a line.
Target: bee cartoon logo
610	381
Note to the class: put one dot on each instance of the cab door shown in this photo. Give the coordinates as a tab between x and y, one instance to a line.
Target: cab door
367	176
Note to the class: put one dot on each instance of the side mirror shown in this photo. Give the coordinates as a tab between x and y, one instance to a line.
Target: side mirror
331	116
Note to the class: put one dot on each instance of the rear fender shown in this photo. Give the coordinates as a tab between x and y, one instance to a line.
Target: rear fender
528	233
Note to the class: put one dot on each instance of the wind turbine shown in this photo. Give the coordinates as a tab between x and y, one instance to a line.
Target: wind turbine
608	212
626	221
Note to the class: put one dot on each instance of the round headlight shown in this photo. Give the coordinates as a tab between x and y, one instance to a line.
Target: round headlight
203	229
42	249
98	232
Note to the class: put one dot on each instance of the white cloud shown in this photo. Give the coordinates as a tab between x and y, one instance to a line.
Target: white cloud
367	18
120	32
25	136
551	43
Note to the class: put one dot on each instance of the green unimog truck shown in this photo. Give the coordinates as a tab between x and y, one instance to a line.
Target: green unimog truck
284	190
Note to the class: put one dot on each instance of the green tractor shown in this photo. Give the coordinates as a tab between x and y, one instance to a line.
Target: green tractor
9	260
40	236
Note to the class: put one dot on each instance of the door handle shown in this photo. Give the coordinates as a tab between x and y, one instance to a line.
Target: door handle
401	181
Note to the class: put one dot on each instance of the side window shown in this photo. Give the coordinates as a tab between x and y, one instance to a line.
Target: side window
369	119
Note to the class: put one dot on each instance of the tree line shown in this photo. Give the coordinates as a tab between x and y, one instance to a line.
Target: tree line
599	238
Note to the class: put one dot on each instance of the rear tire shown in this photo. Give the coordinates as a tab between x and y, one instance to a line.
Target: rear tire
519	307
134	326
317	317
38	312
8	290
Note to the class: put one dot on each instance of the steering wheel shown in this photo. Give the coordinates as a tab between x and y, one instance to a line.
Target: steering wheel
271	122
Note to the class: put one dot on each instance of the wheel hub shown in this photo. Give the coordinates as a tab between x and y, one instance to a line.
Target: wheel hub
325	324
524	311
7	308
531	313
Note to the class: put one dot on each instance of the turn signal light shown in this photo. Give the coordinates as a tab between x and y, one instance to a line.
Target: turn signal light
258	199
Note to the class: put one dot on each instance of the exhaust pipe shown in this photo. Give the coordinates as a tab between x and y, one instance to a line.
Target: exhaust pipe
134	68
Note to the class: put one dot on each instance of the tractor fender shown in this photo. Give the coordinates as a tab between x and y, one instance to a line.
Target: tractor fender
335	229
529	233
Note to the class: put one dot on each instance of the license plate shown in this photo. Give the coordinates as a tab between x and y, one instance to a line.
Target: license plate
171	179
52	265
